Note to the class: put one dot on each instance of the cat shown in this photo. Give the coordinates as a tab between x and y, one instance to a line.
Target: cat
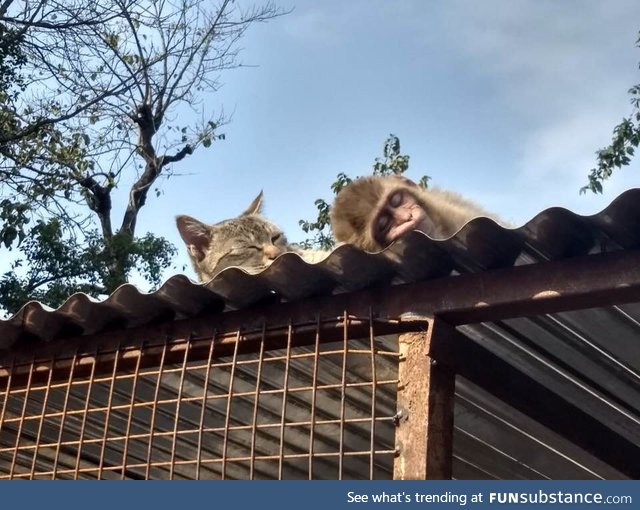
249	241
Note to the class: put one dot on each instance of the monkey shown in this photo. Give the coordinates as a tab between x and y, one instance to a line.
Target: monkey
372	212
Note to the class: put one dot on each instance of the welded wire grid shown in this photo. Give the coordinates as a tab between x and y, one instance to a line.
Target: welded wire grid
178	410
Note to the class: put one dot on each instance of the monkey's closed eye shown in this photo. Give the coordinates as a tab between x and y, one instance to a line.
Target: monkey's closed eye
383	223
396	199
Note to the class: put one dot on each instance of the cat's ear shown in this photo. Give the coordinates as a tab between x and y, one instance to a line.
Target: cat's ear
255	207
195	235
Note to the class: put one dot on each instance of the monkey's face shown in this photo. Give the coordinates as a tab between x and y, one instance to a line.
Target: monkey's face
397	214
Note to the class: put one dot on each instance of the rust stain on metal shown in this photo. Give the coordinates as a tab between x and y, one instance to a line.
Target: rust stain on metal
424	434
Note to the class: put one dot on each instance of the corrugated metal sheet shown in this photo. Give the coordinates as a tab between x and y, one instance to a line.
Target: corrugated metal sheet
481	244
591	358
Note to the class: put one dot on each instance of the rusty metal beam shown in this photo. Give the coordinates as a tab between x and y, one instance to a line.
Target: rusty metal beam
548	287
569	284
161	345
582	282
424	433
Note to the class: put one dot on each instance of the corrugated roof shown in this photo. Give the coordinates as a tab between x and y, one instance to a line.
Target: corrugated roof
481	244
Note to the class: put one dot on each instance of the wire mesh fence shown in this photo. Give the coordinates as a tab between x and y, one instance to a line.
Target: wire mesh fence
243	405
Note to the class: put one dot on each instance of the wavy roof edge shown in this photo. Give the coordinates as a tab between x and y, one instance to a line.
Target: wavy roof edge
480	244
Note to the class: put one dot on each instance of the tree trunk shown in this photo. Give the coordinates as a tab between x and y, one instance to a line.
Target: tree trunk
117	253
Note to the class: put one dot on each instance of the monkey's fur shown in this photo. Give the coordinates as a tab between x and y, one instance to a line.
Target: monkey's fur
357	206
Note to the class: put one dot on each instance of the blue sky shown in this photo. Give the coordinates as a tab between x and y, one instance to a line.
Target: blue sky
503	101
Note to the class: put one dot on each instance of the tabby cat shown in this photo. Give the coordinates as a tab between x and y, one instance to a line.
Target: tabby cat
249	241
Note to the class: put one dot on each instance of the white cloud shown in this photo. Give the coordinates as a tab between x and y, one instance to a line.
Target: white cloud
564	149
562	70
547	52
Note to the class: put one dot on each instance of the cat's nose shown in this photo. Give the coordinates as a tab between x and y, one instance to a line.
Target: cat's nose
271	251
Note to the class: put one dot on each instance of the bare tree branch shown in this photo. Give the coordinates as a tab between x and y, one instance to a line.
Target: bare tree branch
108	86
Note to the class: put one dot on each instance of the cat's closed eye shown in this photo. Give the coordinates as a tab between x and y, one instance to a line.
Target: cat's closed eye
240	254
